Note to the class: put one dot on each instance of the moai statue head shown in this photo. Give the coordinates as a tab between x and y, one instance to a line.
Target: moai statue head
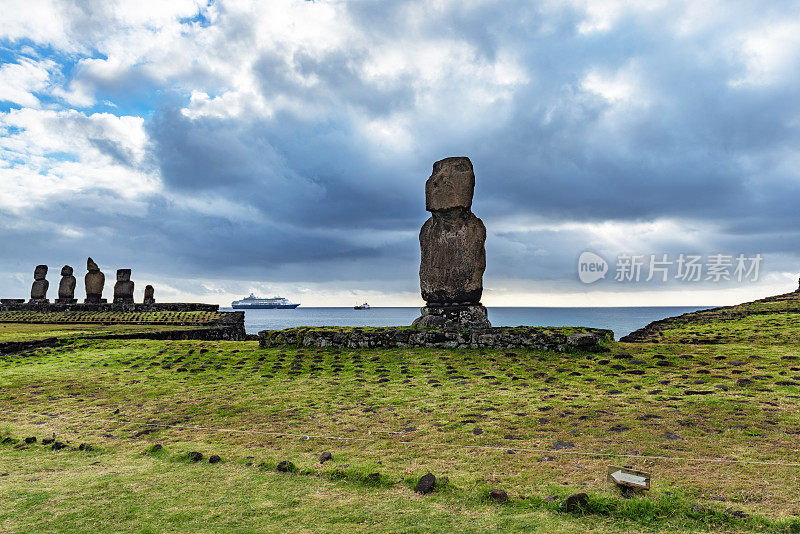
66	288
123	289
40	284
148	294
451	185
94	280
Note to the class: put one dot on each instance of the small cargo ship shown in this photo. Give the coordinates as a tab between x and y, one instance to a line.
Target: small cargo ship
364	306
256	303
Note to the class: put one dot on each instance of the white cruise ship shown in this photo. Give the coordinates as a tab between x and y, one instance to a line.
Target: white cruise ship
255	303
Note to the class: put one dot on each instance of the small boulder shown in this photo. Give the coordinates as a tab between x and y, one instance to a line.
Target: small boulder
47	441
498	495
286	467
325	456
57	446
30	440
195	456
577	502
214	459
737	513
85	447
558	445
426	484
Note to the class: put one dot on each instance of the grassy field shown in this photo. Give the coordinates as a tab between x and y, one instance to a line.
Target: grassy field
531	423
35	332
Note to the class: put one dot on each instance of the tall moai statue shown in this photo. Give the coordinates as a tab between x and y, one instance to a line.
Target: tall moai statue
66	288
123	289
148	294
40	285
453	254
94	280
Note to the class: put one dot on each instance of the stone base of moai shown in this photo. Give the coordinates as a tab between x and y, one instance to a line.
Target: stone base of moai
149	301
123	300
470	316
66	301
38	301
12	301
95	300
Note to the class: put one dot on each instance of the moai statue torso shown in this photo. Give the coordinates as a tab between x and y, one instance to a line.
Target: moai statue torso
66	288
452	245
148	294
123	289
94	280
40	284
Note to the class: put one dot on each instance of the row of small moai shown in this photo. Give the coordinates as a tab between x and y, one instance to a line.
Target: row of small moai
94	281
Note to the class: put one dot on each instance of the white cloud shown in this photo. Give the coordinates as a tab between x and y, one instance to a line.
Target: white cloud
771	53
19	81
58	155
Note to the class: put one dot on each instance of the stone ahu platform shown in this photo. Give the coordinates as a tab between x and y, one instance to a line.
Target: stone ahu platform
180	320
558	339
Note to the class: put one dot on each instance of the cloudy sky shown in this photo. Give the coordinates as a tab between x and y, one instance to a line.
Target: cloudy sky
282	147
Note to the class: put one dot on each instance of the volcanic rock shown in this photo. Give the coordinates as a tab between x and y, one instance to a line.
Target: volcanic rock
40	285
94	282
577	502
123	289
286	467
148	296
498	495
426	484
66	288
453	254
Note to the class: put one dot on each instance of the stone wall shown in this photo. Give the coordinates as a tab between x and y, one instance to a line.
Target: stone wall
15	305
564	339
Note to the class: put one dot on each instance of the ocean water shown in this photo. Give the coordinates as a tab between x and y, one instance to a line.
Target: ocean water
621	320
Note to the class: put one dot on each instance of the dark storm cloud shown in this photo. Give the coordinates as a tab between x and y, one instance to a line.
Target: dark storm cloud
303	194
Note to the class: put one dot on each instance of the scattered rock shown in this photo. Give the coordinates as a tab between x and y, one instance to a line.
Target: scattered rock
47	441
426	484
324	457
286	466
477	431
195	456
214	459
577	502
558	445
85	447
157	447
670	435
30	440
737	513
742	382
57	446
498	496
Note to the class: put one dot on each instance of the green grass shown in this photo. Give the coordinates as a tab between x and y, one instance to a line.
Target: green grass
39	331
458	414
771	320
